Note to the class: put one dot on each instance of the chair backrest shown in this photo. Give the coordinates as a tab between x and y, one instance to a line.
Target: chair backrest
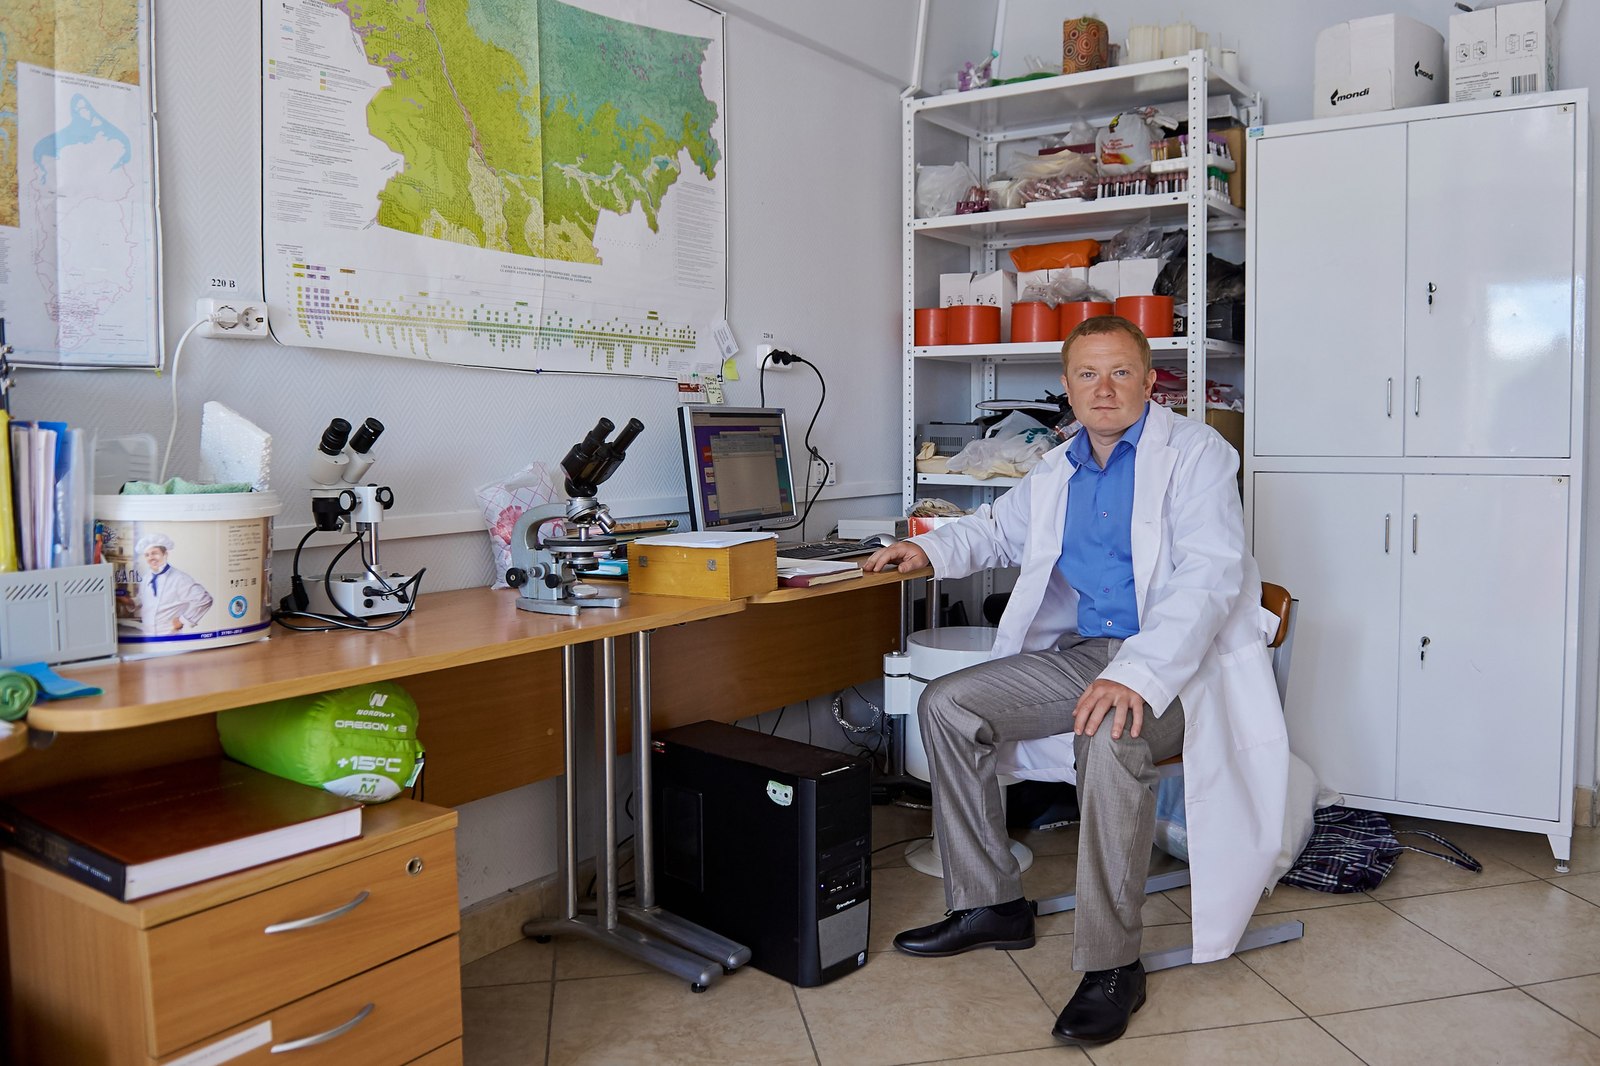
1276	599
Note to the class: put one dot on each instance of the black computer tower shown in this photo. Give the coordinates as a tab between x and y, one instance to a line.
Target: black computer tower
766	841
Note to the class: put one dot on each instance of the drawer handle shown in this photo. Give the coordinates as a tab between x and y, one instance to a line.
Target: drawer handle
316	919
322	1038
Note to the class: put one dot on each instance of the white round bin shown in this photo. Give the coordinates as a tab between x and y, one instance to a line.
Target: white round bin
191	571
930	654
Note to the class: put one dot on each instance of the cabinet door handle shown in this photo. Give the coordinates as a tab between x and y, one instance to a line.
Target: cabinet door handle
1432	288
1413	534
1422	652
1416	397
316	919
1388	399
1386	519
322	1038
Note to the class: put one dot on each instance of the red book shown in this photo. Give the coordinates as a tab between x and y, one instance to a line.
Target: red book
135	834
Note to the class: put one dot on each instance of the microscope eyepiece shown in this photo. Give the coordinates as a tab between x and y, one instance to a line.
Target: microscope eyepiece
365	437
625	438
334	437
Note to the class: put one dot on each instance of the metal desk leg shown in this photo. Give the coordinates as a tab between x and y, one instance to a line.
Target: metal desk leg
645	914
603	927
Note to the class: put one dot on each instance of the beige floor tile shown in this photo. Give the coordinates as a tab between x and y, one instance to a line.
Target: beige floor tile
652	1018
1284	898
525	961
1530	851
1290	1043
1419	875
1053	1056
1586	886
1062	841
1577	998
1180	999
578	956
1490	1028
1525	933
899	1010
891	823
1364	956
902	898
505	1025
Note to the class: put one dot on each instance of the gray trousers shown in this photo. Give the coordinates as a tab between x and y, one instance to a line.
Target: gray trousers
963	717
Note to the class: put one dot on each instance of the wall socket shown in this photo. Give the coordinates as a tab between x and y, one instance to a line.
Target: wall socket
238	319
764	350
824	472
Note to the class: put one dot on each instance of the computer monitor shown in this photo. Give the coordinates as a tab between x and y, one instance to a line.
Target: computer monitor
736	465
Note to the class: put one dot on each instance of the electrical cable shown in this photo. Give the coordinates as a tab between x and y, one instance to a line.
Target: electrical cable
779	722
293	606
172	434
907	840
811	450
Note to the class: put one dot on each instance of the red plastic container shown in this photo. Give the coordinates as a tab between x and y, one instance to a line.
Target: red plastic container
1153	314
1077	312
1034	321
972	324
928	327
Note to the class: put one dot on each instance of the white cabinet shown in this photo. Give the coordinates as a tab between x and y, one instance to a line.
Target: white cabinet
1420	298
1429	650
943	382
1415	449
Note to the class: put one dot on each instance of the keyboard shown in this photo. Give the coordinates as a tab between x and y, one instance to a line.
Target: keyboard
825	549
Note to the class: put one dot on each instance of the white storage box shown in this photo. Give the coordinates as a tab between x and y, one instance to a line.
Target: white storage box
1378	64
1107	277
62	615
1507	50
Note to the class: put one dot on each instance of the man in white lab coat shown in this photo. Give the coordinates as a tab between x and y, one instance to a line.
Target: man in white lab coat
170	601
1136	625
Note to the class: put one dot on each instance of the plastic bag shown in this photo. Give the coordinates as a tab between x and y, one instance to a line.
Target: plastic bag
1124	146
1055	255
1010	456
1057	176
941	189
503	502
1136	240
359	741
1063	289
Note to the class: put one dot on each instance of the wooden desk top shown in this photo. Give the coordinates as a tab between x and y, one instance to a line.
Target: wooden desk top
449	629
884	577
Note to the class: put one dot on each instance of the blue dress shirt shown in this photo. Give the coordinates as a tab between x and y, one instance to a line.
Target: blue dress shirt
1097	541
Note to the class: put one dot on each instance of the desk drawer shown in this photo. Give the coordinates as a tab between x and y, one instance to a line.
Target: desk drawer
214	969
415	1003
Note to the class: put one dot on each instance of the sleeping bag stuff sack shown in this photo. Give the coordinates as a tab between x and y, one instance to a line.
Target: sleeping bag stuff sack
359	742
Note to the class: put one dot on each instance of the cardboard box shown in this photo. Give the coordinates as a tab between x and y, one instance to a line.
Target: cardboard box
1378	64
919	525
1107	277
1507	50
1137	277
997	288
1234	136
1228	423
731	573
954	289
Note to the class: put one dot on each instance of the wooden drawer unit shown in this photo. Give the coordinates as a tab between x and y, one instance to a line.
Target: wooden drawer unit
94	980
381	1017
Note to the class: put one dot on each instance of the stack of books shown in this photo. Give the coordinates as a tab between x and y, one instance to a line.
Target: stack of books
135	834
804	574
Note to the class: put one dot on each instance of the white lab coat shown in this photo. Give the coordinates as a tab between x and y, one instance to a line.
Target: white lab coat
1201	639
177	596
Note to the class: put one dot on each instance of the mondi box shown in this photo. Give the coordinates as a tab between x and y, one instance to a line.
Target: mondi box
1378	64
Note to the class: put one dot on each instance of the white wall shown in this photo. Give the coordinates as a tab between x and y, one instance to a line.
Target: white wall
1275	42
813	171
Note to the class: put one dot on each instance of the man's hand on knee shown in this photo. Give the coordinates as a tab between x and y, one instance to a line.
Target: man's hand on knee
1125	706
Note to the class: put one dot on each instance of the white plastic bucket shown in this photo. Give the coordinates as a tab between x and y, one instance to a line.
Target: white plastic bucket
192	571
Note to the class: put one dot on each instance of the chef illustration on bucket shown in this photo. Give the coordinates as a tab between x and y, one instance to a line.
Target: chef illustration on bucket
170	601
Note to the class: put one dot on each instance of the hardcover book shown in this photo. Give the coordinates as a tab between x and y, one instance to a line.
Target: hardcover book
816	572
135	834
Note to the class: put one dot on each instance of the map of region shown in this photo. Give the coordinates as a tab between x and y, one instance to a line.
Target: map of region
94	37
520	124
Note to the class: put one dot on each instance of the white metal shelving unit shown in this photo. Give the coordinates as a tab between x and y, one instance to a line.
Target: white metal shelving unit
972	126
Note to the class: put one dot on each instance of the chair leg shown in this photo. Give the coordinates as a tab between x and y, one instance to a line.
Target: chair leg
1266	935
1069	900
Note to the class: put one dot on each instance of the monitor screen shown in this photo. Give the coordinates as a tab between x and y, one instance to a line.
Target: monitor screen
736	460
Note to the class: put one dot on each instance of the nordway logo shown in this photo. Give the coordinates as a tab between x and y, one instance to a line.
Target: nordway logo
1336	96
1418	72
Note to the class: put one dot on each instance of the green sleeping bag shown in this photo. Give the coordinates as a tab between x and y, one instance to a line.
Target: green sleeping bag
359	742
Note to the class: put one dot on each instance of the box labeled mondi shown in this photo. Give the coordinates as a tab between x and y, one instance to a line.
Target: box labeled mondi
707	566
1382	63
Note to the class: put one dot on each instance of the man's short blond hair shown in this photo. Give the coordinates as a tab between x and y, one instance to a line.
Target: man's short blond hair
1101	325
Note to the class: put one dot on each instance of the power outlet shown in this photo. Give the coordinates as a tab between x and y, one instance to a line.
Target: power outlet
824	472
236	319
772	366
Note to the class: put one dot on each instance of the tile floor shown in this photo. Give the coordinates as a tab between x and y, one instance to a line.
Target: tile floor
1437	965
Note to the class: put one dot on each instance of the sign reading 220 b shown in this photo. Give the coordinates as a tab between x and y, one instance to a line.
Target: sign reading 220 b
78	280
505	183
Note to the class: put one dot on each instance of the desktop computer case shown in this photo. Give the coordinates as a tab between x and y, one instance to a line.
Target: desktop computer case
766	841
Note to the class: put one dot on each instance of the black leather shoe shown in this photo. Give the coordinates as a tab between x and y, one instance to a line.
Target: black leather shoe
1006	927
1099	1010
